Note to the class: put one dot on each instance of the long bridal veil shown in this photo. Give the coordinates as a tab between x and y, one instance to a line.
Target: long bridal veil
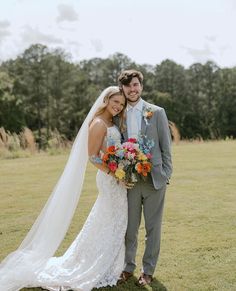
50	227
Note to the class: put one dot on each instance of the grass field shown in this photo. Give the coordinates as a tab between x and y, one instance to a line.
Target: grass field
198	250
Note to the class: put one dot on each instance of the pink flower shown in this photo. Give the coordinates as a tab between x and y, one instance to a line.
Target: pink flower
149	156
132	140
131	156
131	147
112	166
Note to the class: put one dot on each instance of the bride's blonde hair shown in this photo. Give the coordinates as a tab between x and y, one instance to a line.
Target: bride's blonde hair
113	92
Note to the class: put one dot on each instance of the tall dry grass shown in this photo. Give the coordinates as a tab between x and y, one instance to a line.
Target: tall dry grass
12	144
174	132
27	140
24	144
58	141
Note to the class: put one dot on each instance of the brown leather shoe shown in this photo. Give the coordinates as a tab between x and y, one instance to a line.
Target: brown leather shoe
144	280
124	276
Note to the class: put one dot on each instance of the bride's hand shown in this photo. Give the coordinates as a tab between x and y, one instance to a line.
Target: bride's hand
127	185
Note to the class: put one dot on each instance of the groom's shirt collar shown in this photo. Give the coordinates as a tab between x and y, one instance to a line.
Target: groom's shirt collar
134	119
138	106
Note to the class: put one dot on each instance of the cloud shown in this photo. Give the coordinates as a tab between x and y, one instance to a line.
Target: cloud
233	4
74	48
97	45
211	38
4	29
4	24
33	35
69	29
75	43
200	55
66	13
222	49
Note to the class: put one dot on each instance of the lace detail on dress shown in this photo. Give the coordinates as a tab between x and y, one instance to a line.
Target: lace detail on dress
96	257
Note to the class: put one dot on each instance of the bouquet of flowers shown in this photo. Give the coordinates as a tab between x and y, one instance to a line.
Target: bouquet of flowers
130	160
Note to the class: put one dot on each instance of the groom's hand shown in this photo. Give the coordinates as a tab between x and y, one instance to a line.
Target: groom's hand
128	185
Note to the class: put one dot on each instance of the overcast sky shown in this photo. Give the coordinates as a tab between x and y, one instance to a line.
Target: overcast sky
147	31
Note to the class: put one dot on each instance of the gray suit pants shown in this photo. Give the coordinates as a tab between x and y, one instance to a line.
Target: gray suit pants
144	196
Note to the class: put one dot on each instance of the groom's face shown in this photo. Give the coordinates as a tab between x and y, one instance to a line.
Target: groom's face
133	91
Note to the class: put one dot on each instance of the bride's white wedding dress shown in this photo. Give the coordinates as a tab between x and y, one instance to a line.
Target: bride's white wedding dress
96	257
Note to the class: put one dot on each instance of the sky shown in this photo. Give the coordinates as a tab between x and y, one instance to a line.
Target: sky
146	31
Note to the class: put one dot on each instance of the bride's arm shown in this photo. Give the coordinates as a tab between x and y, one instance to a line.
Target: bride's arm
97	133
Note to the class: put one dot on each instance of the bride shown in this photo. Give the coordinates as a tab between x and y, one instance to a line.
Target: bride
96	257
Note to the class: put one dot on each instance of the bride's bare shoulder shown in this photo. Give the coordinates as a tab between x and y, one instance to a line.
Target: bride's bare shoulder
97	133
98	126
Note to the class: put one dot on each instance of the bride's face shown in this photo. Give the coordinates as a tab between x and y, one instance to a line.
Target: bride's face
116	104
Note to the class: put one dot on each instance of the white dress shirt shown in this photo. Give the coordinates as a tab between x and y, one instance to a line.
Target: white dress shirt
134	119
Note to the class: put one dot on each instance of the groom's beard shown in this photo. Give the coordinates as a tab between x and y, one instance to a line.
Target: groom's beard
130	101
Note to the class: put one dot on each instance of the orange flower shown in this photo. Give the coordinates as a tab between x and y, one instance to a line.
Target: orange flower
139	168
146	167
143	168
111	150
149	114
105	157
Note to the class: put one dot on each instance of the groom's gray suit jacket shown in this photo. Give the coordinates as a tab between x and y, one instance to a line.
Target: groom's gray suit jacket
156	128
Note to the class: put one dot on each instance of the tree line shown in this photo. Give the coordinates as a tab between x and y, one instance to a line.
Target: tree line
45	91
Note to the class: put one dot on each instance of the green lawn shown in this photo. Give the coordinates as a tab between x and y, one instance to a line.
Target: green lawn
198	249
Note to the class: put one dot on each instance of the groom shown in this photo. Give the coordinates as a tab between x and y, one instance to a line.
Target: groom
149	195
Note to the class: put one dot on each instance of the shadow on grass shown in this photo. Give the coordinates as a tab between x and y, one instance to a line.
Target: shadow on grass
131	285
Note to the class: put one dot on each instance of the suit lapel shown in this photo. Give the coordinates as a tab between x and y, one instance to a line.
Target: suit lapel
144	123
125	132
125	135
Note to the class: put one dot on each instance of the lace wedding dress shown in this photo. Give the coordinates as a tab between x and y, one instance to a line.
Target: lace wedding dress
96	257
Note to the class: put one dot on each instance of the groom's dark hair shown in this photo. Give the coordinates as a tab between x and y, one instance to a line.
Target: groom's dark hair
127	75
